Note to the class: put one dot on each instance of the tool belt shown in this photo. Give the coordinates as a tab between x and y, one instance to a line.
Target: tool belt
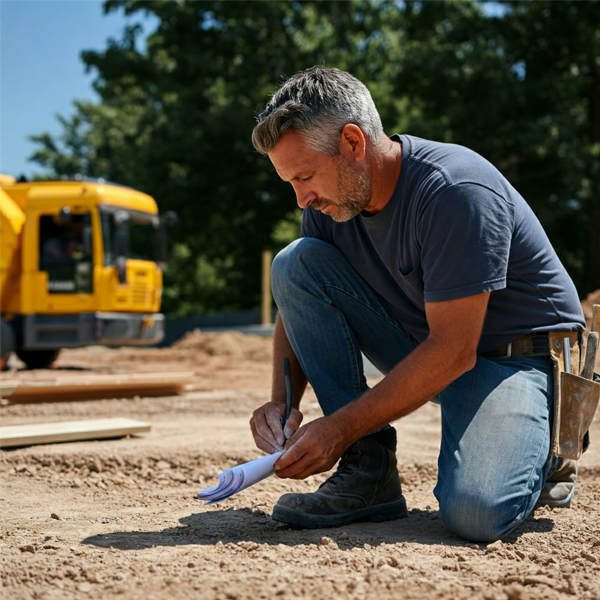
575	398
534	344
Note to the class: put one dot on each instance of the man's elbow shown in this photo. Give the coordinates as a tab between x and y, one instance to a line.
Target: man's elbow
457	356
465	360
469	360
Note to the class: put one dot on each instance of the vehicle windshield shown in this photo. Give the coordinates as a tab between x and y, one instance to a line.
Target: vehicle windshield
142	234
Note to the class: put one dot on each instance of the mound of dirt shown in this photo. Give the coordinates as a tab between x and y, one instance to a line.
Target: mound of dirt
231	343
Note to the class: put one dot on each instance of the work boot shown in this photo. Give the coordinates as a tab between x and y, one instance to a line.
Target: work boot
559	488
365	487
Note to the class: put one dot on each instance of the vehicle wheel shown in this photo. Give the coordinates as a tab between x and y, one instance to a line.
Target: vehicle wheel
7	343
38	359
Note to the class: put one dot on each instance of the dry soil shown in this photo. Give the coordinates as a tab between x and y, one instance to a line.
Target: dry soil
119	518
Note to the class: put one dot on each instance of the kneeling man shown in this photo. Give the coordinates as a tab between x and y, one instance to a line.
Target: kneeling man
423	257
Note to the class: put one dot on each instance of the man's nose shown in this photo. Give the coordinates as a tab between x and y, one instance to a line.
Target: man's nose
304	198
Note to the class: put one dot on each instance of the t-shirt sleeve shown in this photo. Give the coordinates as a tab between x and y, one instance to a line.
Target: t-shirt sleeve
465	235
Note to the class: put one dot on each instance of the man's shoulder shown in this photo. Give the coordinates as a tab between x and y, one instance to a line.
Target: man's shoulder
451	164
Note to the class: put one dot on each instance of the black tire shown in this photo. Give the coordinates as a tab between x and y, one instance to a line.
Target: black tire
7	343
38	359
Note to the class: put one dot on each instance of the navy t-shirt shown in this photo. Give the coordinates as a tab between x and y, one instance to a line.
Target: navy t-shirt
455	227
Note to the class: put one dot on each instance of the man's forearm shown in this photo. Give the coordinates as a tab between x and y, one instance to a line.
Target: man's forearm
425	372
281	349
450	350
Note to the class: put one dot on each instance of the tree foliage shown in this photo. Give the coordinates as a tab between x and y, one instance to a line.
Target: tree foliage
523	89
175	118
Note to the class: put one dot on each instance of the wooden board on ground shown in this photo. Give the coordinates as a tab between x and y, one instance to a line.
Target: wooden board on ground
7	388
69	431
89	387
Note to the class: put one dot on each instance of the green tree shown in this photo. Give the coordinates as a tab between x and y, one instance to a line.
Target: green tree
556	46
523	89
175	119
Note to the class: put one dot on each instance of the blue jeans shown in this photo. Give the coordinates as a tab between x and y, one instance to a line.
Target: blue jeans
496	418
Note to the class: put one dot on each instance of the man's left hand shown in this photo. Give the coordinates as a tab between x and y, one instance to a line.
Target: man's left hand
314	448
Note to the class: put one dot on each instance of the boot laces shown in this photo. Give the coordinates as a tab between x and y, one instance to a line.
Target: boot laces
346	466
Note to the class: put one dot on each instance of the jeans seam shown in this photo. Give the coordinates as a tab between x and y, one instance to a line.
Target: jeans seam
356	370
328	300
546	431
520	516
318	285
395	325
324	284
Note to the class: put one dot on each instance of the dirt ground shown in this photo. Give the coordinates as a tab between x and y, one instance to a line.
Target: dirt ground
119	518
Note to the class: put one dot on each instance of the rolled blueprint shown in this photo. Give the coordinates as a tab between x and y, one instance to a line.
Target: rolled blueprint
239	478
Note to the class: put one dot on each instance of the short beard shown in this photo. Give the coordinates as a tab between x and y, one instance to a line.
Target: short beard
354	191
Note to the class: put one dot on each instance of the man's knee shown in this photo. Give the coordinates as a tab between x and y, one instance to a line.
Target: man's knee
290	264
480	517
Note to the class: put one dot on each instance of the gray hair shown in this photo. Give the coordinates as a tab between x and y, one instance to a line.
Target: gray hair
317	104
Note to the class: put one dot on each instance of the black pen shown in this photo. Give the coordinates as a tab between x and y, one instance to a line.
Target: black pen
288	390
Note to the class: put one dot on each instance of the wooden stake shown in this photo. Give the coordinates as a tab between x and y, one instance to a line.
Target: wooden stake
267	298
596	318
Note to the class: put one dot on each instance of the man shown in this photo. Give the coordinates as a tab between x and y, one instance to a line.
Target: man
422	256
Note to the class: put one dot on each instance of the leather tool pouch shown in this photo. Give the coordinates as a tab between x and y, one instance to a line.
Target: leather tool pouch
575	400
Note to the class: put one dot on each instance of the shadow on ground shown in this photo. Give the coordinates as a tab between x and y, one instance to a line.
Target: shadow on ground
61	368
233	526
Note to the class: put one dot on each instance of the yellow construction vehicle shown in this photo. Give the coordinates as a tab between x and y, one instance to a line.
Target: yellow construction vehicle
80	265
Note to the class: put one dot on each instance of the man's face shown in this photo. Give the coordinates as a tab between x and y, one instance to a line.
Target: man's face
332	185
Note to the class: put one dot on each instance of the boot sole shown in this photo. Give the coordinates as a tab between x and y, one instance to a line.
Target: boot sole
378	513
561	503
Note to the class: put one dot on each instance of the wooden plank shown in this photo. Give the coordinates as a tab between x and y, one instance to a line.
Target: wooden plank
7	388
69	431
89	387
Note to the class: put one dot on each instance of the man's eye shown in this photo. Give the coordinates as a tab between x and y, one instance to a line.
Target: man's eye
307	178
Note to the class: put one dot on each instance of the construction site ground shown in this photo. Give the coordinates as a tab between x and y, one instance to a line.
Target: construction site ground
119	518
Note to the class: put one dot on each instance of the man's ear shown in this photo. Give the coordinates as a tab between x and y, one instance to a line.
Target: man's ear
353	143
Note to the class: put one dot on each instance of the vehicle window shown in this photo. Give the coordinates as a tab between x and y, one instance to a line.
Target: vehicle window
143	238
142	234
65	252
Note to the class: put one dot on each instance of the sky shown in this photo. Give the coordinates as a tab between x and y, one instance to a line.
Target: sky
41	71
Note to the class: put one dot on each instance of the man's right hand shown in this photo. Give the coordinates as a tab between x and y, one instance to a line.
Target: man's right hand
266	426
